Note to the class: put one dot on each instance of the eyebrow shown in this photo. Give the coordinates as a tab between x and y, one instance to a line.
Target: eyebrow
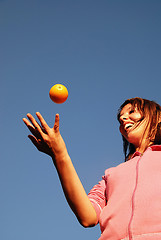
123	112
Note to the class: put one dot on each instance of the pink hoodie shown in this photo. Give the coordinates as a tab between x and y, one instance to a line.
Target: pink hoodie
128	199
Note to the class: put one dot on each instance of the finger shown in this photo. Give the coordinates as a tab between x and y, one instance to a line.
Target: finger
56	125
44	125
26	121
34	122
32	129
34	141
28	124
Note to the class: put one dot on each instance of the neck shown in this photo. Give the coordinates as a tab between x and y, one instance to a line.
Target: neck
143	146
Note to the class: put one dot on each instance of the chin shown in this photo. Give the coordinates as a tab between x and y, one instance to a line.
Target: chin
133	141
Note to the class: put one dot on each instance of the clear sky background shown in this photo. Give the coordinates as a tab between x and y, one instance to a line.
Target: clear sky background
104	52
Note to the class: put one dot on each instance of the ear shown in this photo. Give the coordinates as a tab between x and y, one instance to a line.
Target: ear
158	134
159	118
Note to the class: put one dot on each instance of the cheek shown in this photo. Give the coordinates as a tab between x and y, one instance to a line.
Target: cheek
136	116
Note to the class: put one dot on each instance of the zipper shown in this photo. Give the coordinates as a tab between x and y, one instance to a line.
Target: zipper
132	200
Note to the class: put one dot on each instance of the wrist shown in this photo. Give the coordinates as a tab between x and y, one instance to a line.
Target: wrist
60	157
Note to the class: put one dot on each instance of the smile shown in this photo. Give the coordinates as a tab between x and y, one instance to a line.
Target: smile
128	125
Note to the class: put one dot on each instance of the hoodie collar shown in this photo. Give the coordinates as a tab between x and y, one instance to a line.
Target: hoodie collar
152	148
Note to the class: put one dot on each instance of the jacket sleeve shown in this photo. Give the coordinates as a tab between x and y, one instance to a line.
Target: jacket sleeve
97	196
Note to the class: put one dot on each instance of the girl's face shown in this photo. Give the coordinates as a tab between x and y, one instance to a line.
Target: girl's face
132	126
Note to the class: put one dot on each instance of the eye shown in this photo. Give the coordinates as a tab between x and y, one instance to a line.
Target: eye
132	111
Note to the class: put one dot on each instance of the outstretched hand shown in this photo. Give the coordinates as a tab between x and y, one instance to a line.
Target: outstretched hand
49	141
46	139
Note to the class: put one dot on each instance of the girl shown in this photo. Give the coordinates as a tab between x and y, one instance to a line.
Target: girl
127	201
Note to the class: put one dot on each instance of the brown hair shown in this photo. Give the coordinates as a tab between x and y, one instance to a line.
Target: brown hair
152	112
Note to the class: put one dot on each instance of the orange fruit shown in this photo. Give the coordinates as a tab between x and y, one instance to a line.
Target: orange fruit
58	93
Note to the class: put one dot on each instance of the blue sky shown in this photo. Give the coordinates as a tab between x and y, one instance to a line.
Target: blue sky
104	52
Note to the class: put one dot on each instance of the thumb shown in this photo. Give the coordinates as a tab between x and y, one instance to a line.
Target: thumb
56	124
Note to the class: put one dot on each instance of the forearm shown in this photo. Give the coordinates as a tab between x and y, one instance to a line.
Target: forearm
49	141
74	192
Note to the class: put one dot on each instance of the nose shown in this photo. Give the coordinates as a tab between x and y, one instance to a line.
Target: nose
123	117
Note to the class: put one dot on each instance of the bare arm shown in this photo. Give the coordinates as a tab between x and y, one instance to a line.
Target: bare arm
50	141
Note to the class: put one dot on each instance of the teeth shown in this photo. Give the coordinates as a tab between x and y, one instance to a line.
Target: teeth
128	125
